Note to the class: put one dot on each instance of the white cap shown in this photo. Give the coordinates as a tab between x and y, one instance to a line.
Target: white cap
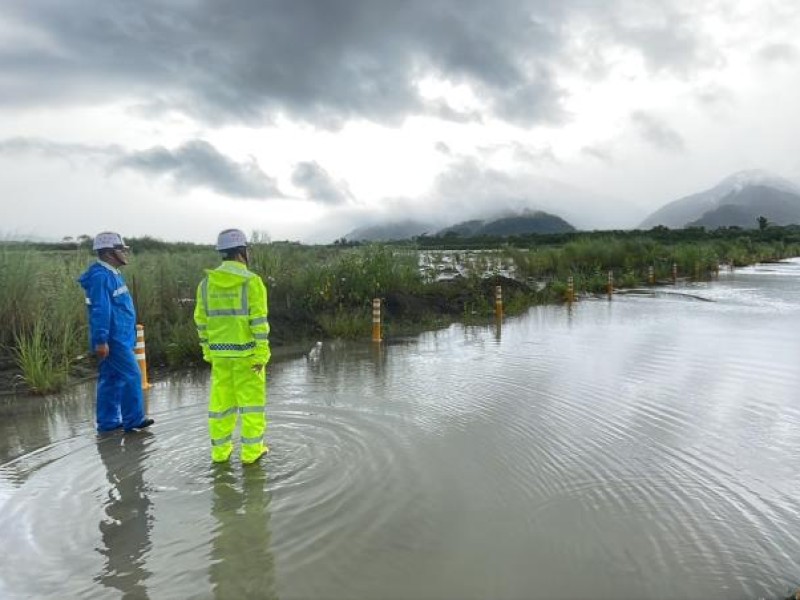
108	239
231	238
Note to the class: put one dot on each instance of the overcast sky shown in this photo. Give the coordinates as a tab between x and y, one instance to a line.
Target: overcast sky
305	119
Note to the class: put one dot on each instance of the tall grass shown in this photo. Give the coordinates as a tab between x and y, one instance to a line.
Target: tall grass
36	358
19	301
323	291
163	286
629	259
41	311
331	289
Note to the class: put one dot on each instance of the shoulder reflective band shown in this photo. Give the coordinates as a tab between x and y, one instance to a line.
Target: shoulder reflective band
243	311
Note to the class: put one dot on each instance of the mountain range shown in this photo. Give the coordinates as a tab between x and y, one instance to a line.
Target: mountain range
521	223
738	200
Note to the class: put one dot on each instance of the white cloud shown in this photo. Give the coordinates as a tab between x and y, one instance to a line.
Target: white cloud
336	113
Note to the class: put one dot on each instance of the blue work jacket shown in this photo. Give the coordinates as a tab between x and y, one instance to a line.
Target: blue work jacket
112	316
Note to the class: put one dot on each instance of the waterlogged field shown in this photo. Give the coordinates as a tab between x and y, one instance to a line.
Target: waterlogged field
643	447
446	265
326	292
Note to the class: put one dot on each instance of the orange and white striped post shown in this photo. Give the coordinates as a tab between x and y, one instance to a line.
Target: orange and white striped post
141	357
674	272
498	302
651	275
610	284
376	319
570	289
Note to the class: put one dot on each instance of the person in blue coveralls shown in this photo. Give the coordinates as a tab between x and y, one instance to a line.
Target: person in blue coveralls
112	337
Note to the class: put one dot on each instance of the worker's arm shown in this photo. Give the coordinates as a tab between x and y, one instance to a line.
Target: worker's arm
201	321
259	326
99	295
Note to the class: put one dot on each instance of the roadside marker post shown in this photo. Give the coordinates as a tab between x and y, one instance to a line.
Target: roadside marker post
376	320
498	302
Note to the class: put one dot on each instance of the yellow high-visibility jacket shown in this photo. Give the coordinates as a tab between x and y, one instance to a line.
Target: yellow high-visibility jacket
231	314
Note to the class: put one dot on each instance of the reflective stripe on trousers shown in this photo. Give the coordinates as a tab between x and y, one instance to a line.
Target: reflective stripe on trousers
236	389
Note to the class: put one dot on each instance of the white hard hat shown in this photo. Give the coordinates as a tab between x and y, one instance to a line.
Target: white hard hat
231	238
108	239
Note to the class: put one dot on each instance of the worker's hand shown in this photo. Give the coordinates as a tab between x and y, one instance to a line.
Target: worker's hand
258	368
101	351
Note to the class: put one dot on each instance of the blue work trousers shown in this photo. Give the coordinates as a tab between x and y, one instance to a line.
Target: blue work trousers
119	390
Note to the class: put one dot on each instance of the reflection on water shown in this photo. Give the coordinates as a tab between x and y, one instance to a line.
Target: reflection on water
125	530
640	447
241	565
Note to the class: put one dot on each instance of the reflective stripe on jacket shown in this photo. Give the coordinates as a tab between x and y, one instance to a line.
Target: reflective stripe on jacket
231	313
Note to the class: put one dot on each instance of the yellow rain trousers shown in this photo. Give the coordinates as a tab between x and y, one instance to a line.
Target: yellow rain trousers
231	319
236	389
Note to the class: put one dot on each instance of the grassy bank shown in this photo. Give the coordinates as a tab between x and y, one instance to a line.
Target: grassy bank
326	291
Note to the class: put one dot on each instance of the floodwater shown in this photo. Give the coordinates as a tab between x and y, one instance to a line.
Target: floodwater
644	447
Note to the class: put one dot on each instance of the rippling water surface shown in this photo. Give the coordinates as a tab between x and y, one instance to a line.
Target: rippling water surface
646	447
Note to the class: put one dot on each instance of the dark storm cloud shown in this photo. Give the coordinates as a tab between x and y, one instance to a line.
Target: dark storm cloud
317	60
319	185
194	164
657	132
199	164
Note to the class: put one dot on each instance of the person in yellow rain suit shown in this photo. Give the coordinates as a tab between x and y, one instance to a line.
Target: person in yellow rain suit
231	319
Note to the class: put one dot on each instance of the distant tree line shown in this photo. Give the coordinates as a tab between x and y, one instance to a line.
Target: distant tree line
660	233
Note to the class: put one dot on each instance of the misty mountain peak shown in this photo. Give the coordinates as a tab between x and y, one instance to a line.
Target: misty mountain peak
761	177
755	192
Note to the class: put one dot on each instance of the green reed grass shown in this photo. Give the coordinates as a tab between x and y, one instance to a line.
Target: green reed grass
42	314
326	290
163	286
19	301
347	324
37	358
589	260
